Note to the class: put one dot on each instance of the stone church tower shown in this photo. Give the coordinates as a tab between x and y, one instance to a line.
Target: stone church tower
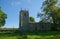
24	20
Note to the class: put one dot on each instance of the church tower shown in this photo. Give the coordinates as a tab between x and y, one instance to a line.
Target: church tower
24	20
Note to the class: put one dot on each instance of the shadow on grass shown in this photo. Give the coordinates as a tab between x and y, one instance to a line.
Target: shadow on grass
8	34
24	35
43	34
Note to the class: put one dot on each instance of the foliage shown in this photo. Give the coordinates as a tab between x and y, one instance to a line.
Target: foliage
3	16
31	19
50	8
44	17
51	12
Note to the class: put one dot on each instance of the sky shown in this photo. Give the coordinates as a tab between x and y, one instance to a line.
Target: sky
13	7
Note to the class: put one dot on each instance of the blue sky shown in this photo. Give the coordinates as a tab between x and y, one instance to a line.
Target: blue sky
12	8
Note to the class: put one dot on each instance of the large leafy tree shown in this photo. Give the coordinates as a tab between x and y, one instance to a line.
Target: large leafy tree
51	12
31	19
3	16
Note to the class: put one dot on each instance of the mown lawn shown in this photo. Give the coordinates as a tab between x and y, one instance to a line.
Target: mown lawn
31	35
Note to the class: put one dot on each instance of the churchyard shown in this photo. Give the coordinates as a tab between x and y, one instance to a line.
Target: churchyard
28	30
31	35
48	26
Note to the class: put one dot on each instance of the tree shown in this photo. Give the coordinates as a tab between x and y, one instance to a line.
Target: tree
3	16
51	12
43	17
50	9
31	19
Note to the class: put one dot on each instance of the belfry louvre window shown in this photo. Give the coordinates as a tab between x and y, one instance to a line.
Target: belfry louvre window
25	14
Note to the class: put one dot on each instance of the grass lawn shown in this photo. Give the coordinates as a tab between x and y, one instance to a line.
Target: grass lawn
32	35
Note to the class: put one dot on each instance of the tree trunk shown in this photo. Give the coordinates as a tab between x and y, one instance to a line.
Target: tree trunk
54	22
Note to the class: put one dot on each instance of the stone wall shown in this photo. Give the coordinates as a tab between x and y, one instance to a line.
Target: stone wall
40	26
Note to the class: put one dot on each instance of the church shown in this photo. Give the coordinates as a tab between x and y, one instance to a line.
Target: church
25	25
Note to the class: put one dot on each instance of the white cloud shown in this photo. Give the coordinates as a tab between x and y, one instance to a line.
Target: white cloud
15	3
29	1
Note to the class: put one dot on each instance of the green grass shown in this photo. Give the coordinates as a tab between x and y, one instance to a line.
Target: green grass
31	35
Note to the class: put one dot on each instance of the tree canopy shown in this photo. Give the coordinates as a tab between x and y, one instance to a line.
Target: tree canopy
51	11
31	19
3	16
